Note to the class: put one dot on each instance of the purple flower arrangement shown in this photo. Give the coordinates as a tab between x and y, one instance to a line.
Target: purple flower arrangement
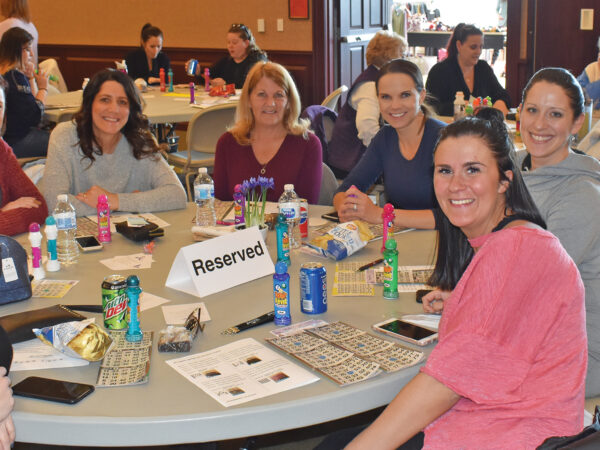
255	191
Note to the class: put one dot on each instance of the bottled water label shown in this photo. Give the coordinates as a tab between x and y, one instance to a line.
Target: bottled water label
204	192
291	210
65	220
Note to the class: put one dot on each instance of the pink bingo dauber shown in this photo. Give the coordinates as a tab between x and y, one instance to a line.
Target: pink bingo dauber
388	221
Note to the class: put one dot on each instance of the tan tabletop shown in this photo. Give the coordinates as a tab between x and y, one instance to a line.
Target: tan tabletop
169	409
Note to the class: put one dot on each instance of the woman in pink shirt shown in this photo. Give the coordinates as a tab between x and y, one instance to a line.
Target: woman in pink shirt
509	368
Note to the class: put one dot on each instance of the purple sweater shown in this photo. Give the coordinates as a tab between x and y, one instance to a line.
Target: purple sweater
298	161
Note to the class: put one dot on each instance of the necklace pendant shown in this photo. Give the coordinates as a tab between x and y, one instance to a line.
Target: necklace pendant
263	170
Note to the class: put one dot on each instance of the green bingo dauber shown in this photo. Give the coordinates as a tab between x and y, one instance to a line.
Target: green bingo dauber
390	270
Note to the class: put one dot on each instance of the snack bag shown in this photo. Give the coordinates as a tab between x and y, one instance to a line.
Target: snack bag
343	240
79	339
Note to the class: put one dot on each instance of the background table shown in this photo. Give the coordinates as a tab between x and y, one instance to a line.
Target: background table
169	409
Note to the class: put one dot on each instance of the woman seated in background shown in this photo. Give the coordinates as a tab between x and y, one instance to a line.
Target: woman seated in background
268	139
25	95
20	201
358	121
463	71
402	151
146	61
495	379
590	80
565	186
16	13
243	54
108	149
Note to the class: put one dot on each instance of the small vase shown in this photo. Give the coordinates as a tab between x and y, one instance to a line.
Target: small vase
262	228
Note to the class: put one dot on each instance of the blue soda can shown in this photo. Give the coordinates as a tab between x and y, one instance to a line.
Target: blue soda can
281	294
313	288
192	66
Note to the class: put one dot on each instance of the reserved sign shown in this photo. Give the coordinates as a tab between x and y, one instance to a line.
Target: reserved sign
220	263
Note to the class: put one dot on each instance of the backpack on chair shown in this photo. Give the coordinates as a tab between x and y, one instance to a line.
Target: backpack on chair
15	284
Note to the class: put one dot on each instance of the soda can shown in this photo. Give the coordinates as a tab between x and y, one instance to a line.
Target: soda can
313	288
192	66
303	225
114	302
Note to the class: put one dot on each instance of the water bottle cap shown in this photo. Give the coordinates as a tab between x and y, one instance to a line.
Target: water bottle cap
281	268
50	220
390	244
288	187
202	170
62	197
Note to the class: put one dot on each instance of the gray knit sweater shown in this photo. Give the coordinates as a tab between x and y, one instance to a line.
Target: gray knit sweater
68	172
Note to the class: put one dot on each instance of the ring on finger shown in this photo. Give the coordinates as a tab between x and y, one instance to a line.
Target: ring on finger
355	207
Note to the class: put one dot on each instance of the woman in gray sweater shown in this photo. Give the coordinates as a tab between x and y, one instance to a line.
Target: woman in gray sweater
109	149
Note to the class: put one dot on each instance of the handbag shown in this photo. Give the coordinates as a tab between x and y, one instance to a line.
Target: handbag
18	326
15	284
586	439
139	234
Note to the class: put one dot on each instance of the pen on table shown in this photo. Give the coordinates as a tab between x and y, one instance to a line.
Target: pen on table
268	317
227	211
371	264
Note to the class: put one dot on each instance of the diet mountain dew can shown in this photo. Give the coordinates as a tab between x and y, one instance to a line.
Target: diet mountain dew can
114	302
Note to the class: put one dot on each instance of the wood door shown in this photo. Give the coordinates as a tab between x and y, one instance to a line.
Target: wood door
359	20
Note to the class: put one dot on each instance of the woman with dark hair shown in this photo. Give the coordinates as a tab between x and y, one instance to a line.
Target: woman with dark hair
268	139
20	201
402	151
146	61
463	71
358	121
243	54
108	149
495	379
565	186
25	96
16	13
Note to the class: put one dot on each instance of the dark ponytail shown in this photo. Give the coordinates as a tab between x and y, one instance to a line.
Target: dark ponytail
149	30
454	251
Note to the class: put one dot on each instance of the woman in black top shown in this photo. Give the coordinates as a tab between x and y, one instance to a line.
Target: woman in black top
463	71
243	54
146	61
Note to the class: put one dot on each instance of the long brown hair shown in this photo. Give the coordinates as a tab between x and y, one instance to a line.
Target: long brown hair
136	130
15	8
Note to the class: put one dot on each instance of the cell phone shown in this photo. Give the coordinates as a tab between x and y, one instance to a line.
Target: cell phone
52	390
422	293
88	243
406	331
333	216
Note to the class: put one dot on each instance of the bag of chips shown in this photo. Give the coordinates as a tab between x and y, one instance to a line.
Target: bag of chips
343	240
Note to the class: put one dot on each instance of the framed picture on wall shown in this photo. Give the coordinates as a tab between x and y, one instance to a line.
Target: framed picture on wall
298	9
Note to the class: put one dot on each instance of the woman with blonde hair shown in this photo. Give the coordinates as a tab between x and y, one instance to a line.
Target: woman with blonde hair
16	13
268	139
358	121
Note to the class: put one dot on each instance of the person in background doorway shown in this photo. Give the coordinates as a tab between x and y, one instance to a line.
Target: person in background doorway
463	71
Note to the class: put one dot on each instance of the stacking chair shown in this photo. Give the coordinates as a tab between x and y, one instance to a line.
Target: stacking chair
204	130
332	99
329	185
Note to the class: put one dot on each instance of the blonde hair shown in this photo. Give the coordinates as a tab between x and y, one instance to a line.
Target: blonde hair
245	123
385	46
15	8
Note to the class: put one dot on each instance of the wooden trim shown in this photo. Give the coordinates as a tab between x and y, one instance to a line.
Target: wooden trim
79	61
323	61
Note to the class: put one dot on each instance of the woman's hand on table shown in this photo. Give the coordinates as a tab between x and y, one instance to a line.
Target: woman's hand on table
22	202
90	197
7	433
434	301
153	80
353	204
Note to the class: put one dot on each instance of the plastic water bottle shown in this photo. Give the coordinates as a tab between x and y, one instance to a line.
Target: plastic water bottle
204	195
459	106
289	206
66	222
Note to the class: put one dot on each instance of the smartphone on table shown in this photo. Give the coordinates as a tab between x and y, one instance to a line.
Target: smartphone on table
333	216
406	331
52	390
88	243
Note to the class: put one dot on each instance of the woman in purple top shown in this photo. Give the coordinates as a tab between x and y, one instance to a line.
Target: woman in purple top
268	139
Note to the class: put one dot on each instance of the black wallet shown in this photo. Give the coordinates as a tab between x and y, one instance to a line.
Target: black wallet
18	326
139	234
